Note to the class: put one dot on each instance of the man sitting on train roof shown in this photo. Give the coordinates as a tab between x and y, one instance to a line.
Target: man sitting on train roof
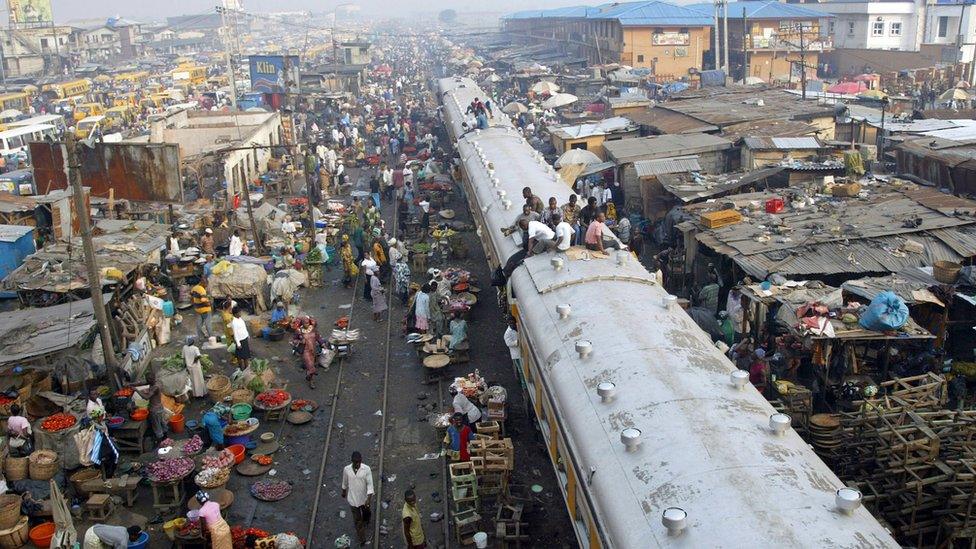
541	237
599	237
532	200
527	215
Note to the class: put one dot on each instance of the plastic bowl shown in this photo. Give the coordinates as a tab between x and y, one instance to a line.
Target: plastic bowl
238	451
241	411
115	422
139	414
41	534
141	543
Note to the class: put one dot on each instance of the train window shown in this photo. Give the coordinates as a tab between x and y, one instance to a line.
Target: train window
561	464
582	523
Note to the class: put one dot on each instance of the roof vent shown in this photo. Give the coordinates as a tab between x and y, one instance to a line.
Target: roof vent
584	348
563	310
607	390
669	301
848	500
507	204
556	262
675	519
631	438
622	256
779	423
739	379
495	181
502	193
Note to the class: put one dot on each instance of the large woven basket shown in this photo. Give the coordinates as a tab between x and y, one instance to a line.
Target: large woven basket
44	470
946	272
15	468
9	510
81	476
16	536
242	396
218	387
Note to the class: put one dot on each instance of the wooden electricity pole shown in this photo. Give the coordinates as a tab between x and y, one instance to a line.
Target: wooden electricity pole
72	164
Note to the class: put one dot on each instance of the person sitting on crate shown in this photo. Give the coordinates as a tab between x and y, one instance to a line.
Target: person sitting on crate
21	436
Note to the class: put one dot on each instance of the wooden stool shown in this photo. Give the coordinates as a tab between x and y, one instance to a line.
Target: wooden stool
167	495
419	263
99	506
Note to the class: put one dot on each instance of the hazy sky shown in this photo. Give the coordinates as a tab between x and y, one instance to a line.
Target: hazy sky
146	9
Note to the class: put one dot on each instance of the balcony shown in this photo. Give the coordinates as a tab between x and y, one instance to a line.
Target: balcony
788	43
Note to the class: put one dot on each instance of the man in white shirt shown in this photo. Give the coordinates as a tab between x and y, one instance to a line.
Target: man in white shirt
241	339
541	237
512	341
236	246
602	195
357	488
472	414
386	178
564	233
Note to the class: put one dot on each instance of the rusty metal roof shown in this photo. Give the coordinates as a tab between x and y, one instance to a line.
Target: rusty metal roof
662	120
659	166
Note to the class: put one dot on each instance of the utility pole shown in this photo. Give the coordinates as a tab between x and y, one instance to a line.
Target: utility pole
745	47
803	65
71	166
231	80
725	37
717	54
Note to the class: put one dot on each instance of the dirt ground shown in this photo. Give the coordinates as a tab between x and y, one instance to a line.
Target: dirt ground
358	423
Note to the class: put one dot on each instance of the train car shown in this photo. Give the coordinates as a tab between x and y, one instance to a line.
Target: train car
655	440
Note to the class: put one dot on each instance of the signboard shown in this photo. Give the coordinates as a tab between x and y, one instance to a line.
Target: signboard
275	74
670	38
30	11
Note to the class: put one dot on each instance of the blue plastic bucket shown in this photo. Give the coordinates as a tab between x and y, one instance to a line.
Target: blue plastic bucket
140	543
168	308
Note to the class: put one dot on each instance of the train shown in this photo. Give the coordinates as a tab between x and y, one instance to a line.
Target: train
656	438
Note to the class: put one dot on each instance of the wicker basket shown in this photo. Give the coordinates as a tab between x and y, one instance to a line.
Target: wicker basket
81	476
16	468
218	387
9	510
242	396
946	272
44	470
15	536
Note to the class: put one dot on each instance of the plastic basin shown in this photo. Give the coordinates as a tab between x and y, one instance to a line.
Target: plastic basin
140	543
238	451
41	534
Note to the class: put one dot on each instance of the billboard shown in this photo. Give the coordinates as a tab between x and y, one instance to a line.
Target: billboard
30	11
275	74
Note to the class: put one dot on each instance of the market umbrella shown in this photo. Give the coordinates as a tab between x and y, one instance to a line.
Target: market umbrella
559	100
577	156
11	113
65	535
952	94
545	87
30	88
514	108
876	95
962	84
847	87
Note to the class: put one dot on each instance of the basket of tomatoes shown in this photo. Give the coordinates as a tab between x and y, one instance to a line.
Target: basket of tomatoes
58	422
274	399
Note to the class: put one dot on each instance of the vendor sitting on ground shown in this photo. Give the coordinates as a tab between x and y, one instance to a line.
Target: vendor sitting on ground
459	332
101	536
20	433
279	315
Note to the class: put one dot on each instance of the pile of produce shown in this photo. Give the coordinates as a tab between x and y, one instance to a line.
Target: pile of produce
190	530
211	478
239	535
43	457
193	446
166	442
302	404
421	248
125	392
237	428
442	233
263	460
6	399
271	490
222	459
168	470
58	422
274	398
314	255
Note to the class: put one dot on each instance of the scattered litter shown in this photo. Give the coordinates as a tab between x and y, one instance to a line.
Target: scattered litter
342	514
343	541
436	517
272	472
378	413
346	306
536	472
367	434
429	456
306	472
385	505
339	425
391	478
536	489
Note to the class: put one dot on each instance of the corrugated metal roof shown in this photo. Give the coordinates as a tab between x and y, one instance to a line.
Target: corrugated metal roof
763	10
667	121
569	11
13	233
782	143
624	151
639	14
689	190
679	164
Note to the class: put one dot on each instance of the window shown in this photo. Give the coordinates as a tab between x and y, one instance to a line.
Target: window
877	28
850	28
943	26
896	29
44	43
830	28
640	58
581	145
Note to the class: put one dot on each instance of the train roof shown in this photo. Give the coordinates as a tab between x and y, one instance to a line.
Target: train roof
706	446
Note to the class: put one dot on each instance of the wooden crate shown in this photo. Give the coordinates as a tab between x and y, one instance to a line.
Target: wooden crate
494	448
490	429
721	218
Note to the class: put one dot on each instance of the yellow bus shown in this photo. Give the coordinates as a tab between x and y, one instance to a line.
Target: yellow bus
125	100
17	101
85	110
189	74
64	90
134	77
118	118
